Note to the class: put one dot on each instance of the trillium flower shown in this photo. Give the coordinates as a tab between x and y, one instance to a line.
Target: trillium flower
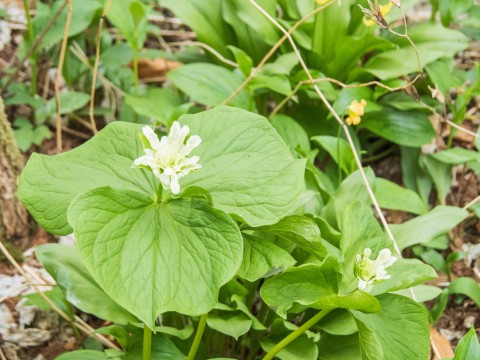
168	157
369	271
355	111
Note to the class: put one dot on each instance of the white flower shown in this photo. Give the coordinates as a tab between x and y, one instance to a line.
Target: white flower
168	157
370	271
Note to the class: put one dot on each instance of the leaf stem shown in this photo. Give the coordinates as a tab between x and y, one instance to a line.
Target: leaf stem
291	337
198	337
33	56
147	343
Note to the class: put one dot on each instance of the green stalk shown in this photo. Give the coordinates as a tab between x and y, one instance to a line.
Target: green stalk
33	56
198	337
135	70
288	339
338	155
147	343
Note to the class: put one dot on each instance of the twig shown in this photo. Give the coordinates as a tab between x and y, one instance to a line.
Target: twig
2	355
76	133
95	68
471	203
59	75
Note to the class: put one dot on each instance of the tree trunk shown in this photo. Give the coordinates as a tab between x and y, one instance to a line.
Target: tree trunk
14	220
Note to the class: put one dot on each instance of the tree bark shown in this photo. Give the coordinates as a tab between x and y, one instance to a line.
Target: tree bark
14	220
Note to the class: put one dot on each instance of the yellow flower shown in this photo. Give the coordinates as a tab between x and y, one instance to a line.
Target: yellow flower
355	111
384	9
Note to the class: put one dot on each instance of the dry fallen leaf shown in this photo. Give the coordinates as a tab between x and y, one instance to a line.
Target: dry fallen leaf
155	68
443	346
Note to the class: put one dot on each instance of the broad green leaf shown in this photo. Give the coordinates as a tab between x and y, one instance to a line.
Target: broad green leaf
182	334
245	62
253	175
423	293
301	231
70	101
83	355
468	347
276	83
63	262
127	241
303	347
205	18
357	300
262	258
351	189
456	156
360	230
304	285
197	82
158	104
426	227
241	306
432	42
339	347
394	197
338	322
84	13
466	286
339	150
408	128
291	132
233	324
399	331
404	273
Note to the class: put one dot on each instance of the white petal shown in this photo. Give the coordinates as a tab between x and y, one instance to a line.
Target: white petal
145	160
151	137
174	185
184	131
164	179
367	252
174	130
361	284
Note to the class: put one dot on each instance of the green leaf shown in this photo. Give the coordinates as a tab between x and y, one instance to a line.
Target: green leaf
466	286
291	132
392	196
315	286
197	82
423	293
441	175
158	104
339	347
162	348
69	102
83	355
119	333
84	13
182	334
426	227
360	230
262	258
338	322
409	128
276	83
233	324
253	175
127	241
456	156
303	347
130	18
468	347
56	295
206	19
301	231
245	62
339	150
399	331
432	42
404	273
65	265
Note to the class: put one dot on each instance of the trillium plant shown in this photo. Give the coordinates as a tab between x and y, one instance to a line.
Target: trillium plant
200	239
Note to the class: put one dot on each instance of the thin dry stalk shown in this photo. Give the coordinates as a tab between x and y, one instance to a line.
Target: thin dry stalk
58	76
95	68
2	355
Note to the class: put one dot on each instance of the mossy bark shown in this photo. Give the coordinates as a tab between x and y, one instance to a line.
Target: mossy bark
14	220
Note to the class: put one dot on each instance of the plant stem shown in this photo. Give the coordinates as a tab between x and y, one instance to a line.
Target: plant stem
291	337
135	70
33	56
147	342
198	337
